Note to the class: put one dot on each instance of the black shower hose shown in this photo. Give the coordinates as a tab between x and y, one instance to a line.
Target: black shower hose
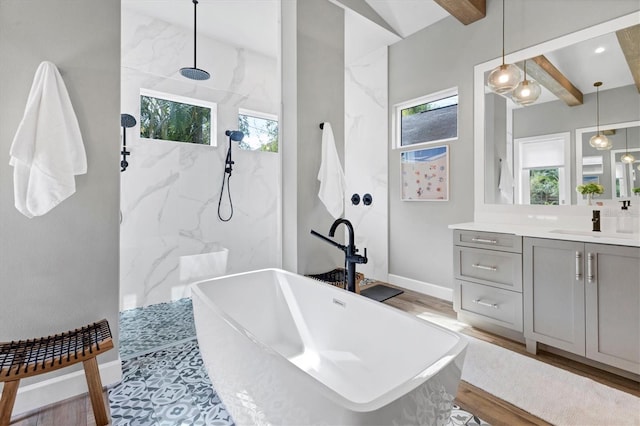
226	177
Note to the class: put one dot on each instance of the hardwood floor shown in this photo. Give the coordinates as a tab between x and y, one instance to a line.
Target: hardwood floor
78	412
72	412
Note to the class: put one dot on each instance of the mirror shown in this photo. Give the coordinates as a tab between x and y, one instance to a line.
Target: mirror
537	154
606	167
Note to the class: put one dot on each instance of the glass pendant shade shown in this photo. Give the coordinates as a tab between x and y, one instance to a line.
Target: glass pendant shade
504	78
526	92
627	158
600	142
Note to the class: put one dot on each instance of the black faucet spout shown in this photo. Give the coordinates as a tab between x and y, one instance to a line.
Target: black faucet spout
351	258
345	222
596	221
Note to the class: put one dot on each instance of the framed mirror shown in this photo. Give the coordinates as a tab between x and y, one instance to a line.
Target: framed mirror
535	154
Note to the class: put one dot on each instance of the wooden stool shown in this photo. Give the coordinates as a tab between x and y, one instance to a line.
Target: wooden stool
27	358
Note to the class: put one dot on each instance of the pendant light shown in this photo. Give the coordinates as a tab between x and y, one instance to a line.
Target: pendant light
627	158
194	73
505	77
527	91
599	141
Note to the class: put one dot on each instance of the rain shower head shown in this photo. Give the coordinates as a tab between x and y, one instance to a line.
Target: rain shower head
127	120
194	73
235	135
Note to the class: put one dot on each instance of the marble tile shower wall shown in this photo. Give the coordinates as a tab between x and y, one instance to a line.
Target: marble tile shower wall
169	192
366	140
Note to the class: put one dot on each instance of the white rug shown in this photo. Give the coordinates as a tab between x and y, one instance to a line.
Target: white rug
550	393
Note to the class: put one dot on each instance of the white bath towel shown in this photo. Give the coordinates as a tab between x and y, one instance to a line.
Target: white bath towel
47	150
506	183
331	175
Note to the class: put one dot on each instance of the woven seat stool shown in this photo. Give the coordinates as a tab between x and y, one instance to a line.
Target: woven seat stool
25	358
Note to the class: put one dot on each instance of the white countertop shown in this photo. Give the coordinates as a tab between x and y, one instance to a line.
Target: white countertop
619	239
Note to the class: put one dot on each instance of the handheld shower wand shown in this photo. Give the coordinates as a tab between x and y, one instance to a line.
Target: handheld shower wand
126	121
235	136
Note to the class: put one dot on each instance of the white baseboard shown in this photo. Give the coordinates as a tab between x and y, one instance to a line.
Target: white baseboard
422	287
59	388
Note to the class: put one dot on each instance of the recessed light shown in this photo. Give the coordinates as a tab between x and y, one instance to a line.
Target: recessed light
599	49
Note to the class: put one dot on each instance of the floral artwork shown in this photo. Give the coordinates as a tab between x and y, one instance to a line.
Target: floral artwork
425	174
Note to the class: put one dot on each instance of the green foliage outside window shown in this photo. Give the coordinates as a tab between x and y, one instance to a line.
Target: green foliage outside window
174	121
260	134
544	186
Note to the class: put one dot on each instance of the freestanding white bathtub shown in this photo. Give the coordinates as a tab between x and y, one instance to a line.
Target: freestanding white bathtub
284	349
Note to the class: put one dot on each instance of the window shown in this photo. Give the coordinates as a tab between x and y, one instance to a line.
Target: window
177	119
432	118
542	165
260	131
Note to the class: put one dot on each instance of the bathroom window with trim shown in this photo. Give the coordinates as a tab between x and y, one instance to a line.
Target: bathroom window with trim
173	118
542	169
429	119
260	130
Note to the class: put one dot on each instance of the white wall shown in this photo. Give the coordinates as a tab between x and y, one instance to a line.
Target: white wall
443	56
60	271
366	126
170	191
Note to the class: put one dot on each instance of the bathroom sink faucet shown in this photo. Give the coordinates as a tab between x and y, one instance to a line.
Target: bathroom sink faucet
351	255
596	221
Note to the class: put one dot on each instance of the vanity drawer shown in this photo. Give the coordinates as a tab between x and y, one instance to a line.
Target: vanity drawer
491	240
495	268
494	305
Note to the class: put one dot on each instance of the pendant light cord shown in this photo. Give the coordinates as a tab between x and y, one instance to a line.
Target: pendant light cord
195	22
502	32
598	109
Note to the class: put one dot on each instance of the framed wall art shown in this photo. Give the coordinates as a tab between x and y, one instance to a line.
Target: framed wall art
425	174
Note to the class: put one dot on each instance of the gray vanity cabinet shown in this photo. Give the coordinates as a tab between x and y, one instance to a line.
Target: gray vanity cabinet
554	293
583	298
488	272
612	305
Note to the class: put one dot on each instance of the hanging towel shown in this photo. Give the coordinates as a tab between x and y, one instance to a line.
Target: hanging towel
331	175
506	183
47	150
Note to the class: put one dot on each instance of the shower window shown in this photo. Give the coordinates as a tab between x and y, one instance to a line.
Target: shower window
175	118
260	131
428	119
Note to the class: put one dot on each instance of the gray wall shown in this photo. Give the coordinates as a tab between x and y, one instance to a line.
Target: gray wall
443	56
60	271
318	90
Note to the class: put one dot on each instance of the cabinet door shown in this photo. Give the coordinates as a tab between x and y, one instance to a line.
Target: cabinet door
554	293
612	292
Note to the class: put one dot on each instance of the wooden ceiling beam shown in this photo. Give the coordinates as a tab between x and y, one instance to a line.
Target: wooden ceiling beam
545	73
465	11
629	40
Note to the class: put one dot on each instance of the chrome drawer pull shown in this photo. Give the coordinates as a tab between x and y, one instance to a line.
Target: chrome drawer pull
484	268
487	304
484	240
